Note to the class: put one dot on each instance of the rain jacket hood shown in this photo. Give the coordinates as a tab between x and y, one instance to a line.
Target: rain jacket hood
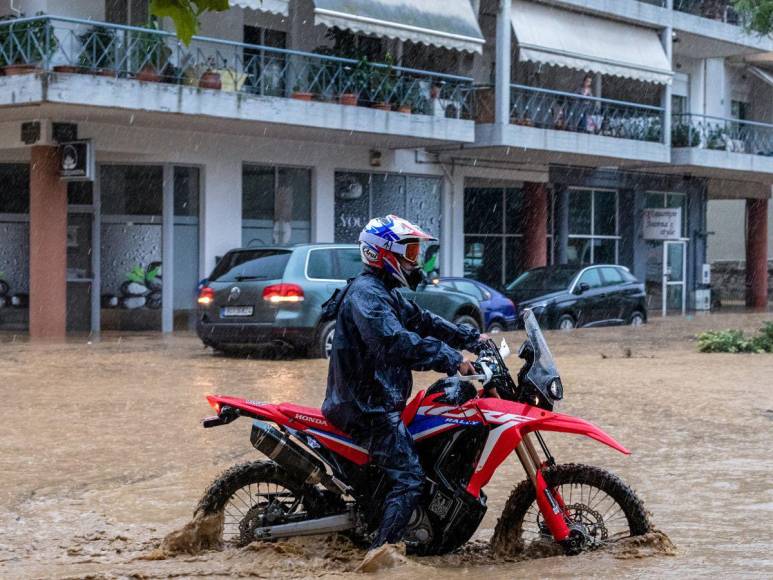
380	338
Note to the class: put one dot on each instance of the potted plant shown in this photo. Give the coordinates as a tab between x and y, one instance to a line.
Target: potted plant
406	107
98	45
210	78
383	85
149	53
717	138
359	78
36	35
681	136
299	94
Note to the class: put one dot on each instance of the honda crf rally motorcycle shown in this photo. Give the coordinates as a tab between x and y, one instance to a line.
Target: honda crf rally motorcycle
317	481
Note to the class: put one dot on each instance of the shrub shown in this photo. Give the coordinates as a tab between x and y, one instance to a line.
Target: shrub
735	341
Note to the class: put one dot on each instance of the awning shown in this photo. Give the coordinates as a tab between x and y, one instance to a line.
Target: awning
446	23
562	38
763	75
273	6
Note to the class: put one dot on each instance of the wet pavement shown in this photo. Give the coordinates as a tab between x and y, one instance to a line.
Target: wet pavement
102	455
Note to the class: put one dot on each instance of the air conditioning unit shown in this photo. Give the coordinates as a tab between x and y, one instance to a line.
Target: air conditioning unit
703	299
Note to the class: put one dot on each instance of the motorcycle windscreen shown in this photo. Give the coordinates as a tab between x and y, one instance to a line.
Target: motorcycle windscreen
543	370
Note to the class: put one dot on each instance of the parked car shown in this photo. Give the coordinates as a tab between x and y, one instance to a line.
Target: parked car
567	297
257	295
498	310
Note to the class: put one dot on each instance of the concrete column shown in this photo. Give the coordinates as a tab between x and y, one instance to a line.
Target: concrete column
48	245
221	220
667	38
535	226
757	253
323	204
561	226
503	62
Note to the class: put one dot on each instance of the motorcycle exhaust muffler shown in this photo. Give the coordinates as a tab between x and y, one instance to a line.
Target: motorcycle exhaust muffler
326	525
294	459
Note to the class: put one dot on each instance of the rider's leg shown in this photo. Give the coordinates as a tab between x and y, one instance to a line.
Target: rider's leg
391	448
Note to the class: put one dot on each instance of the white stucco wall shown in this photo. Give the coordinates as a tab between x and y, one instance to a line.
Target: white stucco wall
727	219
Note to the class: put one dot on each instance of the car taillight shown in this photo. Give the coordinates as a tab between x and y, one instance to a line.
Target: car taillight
283	293
206	296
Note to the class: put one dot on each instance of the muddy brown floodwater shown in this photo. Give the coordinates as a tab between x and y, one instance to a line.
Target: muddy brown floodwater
102	455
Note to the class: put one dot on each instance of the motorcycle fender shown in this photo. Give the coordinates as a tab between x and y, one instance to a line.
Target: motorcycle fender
504	438
254	409
568	424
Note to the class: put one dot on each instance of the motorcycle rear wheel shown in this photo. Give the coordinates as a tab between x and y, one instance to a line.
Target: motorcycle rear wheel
257	494
601	502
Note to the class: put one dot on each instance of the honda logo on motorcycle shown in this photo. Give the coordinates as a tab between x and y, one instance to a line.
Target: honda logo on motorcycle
234	294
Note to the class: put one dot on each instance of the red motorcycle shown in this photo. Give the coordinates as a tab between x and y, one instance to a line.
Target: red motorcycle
318	481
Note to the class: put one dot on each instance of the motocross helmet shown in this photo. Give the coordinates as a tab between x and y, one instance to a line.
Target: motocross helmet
392	244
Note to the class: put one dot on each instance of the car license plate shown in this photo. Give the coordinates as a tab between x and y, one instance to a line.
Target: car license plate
237	311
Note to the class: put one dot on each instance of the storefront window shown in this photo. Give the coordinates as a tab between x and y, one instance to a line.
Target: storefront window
276	205
593	226
493	228
14	246
186	245
132	278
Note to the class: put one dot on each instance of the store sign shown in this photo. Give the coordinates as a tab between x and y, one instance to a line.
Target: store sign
662	224
77	161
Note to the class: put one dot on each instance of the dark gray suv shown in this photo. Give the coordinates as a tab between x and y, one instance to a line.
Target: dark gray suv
258	295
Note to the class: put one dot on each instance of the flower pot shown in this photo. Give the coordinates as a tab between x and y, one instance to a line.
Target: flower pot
382	106
407	109
348	99
149	75
20	69
211	80
301	96
66	68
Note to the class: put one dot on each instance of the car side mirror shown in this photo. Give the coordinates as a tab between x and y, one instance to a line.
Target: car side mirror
581	288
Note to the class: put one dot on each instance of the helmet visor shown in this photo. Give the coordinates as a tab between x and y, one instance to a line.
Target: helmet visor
412	251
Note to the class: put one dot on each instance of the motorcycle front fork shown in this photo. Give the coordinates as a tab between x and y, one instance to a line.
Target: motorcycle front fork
550	502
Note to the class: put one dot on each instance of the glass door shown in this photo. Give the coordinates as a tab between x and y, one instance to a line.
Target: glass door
674	277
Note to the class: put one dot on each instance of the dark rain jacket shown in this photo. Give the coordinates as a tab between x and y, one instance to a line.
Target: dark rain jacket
380	338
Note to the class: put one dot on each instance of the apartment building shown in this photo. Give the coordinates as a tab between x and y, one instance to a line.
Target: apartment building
522	133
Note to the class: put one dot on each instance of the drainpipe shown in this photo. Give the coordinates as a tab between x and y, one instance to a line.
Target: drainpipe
503	62
667	37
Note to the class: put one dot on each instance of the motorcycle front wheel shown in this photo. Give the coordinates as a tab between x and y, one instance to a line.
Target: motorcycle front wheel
258	494
601	505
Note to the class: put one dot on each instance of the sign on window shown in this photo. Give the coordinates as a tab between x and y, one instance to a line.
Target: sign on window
662	224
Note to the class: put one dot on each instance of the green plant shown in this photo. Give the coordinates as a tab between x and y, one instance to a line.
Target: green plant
148	49
383	80
717	138
681	136
97	48
734	341
29	42
360	77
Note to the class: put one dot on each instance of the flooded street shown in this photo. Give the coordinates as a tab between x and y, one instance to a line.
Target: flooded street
102	455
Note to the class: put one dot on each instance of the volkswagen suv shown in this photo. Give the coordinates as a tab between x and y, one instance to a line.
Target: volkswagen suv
266	294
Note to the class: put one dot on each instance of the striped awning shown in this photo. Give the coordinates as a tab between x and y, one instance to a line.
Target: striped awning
449	24
272	6
550	35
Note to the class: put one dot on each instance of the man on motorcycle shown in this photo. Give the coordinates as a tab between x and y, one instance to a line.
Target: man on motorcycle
380	338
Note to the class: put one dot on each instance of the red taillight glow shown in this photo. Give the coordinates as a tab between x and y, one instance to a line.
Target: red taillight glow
283	293
206	296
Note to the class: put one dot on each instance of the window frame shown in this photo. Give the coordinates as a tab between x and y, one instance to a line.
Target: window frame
616	237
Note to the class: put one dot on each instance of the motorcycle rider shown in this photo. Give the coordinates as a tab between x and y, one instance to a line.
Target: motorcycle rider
380	338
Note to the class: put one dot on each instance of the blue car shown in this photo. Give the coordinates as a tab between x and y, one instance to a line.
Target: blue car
498	310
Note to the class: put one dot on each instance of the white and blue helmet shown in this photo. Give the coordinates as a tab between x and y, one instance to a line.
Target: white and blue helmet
392	244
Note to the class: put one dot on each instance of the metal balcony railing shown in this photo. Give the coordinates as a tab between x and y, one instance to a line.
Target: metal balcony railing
80	46
721	10
549	109
722	134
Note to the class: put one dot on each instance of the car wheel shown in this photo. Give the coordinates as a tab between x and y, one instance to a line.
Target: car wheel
496	328
325	337
467	319
566	322
637	319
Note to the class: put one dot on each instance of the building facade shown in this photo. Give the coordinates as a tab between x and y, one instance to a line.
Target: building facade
522	133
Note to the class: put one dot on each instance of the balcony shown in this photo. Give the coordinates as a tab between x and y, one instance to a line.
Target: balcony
723	145
568	123
96	64
720	10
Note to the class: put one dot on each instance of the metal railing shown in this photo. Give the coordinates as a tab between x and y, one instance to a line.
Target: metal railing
62	44
722	134
721	10
549	109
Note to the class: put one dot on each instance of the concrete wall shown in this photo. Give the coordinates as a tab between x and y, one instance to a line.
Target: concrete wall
727	219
